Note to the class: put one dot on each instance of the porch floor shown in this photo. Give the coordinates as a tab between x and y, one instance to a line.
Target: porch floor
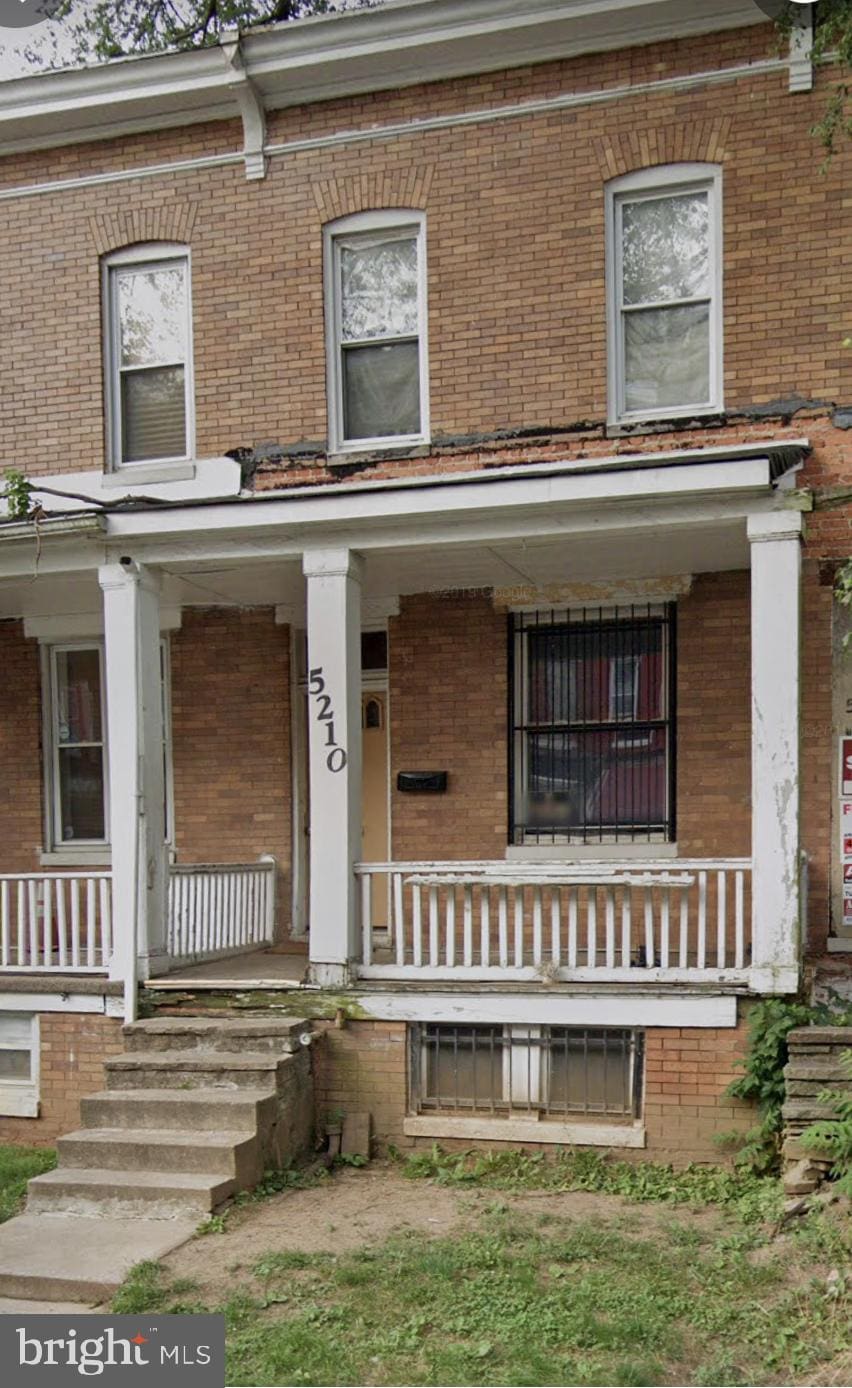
262	968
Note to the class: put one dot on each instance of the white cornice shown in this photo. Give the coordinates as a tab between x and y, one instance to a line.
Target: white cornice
400	43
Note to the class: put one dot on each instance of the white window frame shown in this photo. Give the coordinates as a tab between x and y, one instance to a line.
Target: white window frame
150	256
20	1098
78	849
53	808
334	234
666	181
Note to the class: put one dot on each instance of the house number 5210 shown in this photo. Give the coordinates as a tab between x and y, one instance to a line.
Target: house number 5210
336	759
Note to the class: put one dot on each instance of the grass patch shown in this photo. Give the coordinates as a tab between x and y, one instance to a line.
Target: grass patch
755	1198
17	1165
530	1298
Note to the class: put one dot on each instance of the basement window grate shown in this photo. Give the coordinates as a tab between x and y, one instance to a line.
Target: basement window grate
546	1071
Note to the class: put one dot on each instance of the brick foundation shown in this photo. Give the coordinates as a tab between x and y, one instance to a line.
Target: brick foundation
74	1047
363	1066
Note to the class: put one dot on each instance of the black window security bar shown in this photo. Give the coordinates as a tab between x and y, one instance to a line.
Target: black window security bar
592	748
548	1071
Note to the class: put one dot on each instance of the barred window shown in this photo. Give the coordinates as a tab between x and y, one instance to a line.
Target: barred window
592	750
549	1071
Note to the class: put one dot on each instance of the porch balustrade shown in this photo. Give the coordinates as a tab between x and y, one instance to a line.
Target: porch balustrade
677	921
55	922
219	909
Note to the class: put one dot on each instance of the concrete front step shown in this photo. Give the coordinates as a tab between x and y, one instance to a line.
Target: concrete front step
181	1110
231	1154
276	1035
148	1194
63	1258
192	1069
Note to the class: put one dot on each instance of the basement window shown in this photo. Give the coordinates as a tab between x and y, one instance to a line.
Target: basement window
18	1065
541	1072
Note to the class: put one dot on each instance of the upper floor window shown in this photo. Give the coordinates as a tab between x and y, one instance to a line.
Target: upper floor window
148	353
665	293
375	267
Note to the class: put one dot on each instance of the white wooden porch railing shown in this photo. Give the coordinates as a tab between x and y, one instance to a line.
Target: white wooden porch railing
220	909
678	920
59	921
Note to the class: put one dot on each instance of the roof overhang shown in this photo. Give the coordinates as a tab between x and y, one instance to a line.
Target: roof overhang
401	43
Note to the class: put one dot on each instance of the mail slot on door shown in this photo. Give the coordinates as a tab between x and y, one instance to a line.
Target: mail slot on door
422	782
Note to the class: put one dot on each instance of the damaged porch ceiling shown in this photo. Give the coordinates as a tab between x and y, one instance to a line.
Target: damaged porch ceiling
655	552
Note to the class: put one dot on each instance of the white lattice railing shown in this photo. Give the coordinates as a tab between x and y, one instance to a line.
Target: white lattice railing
678	920
220	909
60	921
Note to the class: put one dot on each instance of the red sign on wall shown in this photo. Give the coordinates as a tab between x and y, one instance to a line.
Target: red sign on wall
846	766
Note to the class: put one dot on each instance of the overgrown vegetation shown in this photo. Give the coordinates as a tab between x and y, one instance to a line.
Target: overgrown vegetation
533	1298
762	1083
17	1165
834	1136
752	1197
17	495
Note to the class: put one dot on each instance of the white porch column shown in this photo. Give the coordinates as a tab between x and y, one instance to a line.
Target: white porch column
334	737
136	794
775	539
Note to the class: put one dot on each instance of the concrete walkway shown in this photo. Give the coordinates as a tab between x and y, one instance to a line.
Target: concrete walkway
69	1258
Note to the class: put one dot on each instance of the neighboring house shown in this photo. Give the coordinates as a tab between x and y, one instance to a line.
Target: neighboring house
453	384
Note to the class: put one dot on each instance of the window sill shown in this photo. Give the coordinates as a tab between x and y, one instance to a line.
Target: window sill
142	474
18	1101
379	453
707	417
76	857
590	852
525	1130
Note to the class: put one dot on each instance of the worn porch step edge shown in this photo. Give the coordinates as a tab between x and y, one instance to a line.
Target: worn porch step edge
155	1069
184	1110
232	1154
257	1034
156	1194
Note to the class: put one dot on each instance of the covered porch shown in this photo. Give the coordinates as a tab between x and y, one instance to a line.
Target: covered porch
699	883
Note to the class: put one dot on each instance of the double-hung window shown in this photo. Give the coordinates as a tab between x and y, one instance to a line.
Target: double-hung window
375	267
19	1064
593	725
148	352
78	745
76	760
665	293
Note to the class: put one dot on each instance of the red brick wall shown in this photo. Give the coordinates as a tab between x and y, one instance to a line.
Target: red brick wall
714	718
74	1047
448	712
516	250
686	1074
231	739
21	823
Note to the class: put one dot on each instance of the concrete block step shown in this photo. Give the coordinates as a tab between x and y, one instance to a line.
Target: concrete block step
148	1194
53	1257
254	1034
183	1110
232	1154
800	1111
192	1069
821	1069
